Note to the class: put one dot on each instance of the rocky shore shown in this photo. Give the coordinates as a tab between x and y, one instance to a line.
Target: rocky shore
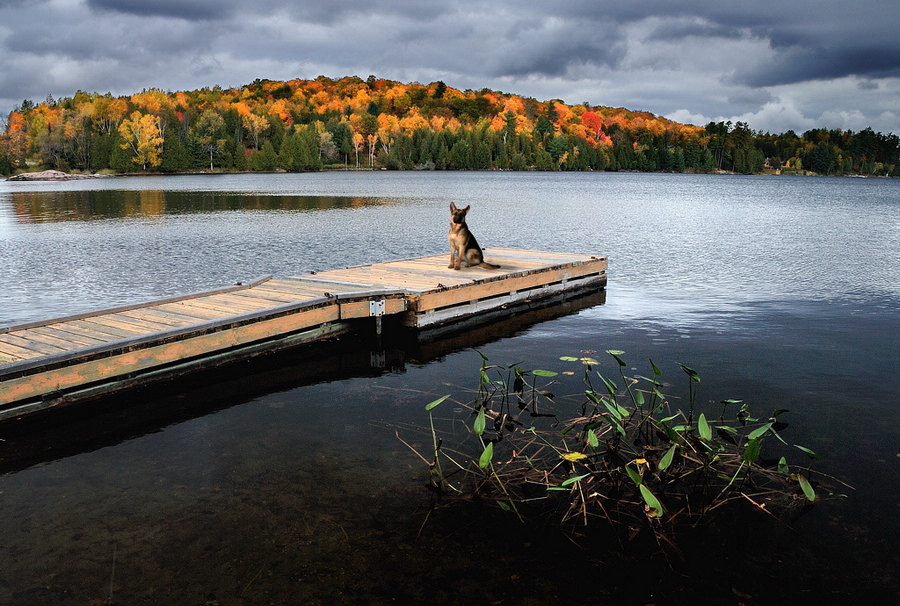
50	175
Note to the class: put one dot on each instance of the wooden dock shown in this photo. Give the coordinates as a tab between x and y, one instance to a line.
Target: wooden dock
54	363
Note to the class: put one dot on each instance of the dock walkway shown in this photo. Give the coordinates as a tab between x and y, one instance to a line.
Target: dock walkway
57	362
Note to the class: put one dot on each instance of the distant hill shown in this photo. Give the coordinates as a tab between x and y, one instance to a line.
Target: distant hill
373	123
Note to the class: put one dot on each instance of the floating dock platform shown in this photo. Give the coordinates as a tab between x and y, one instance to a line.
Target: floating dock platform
50	364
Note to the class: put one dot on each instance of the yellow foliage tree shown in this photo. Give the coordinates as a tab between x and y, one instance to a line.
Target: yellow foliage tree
141	135
255	125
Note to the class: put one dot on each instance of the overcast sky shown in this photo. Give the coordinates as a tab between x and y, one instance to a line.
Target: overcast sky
775	65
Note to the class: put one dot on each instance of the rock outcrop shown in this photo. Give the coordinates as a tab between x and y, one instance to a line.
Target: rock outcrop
49	175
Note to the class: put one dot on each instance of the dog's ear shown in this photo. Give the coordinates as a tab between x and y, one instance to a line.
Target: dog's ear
466	209
452	207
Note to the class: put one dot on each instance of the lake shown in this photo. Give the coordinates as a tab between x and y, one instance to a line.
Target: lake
282	480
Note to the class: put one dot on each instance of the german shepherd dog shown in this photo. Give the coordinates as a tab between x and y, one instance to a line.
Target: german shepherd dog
462	242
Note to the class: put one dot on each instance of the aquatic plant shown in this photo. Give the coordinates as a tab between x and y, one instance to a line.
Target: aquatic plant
625	454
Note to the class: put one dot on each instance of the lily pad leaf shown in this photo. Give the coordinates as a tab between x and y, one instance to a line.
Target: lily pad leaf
573	456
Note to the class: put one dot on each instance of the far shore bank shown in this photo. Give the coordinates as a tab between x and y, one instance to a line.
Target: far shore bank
57	175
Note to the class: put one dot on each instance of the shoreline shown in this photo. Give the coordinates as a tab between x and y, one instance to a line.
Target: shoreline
56	175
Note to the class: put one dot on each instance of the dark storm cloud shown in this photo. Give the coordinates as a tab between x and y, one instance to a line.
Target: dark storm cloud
181	9
798	64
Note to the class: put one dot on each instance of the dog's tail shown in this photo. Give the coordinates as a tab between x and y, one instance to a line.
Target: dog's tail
487	265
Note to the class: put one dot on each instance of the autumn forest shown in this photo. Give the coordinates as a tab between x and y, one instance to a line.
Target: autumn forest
303	125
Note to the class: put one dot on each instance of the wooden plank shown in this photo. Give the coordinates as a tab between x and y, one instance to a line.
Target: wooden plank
159	317
270	296
65	342
361	309
73	329
147	325
123	329
28	344
238	286
71	336
6	358
185	308
243	303
454	296
97	327
221	311
321	284
23	353
136	360
295	286
393	280
458	312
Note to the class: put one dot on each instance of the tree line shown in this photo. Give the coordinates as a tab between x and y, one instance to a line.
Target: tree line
303	125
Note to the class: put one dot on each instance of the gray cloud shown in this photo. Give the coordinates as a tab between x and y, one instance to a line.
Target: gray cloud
773	62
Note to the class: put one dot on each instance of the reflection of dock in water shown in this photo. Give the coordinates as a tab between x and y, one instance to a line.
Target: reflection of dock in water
51	364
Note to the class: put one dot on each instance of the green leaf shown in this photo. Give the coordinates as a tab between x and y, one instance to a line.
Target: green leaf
483	357
751	450
656	371
690	372
656	509
616	423
479	422
653	382
759	431
615	353
807	487
568	359
639	398
431	405
504	506
634	475
486	456
703	426
613	410
544	373
808	452
667	458
592	439
574	479
783	467
610	386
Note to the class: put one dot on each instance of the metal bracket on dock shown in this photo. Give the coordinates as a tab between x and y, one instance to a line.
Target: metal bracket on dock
376	310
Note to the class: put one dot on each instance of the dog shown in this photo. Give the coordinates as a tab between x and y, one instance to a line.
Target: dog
462	243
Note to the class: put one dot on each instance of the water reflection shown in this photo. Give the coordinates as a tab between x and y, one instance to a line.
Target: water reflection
57	206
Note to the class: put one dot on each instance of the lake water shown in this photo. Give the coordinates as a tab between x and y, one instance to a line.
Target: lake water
283	482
